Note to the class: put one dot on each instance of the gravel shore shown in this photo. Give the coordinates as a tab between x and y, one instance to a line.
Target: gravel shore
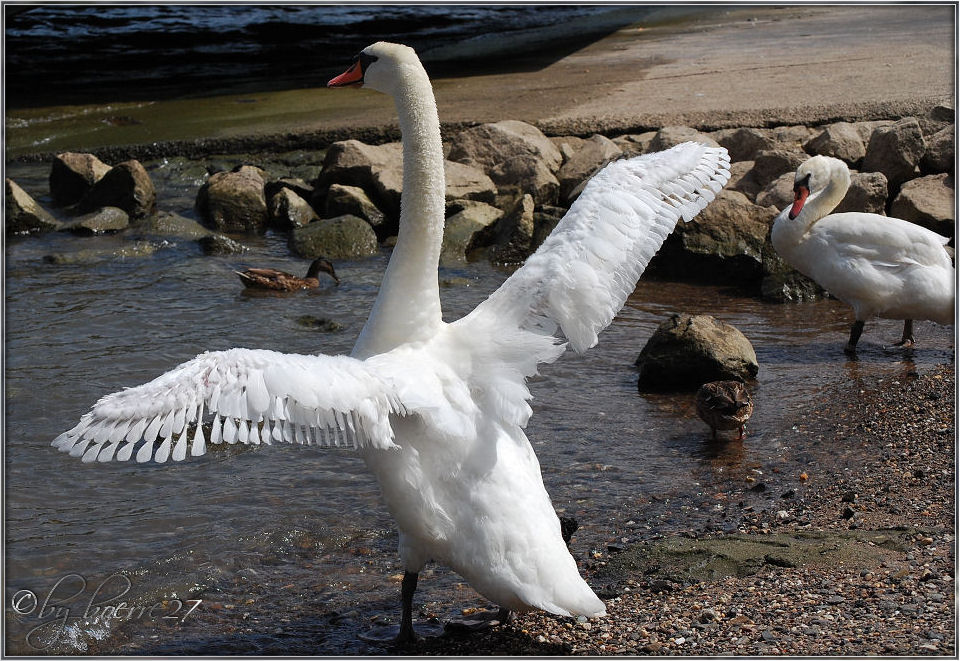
859	561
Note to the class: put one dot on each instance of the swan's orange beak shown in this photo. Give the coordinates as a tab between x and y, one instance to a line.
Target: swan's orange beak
352	77
800	193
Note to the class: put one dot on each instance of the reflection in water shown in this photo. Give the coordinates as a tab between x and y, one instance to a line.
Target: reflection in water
295	539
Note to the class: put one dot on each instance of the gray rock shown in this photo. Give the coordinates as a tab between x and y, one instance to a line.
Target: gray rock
511	237
778	193
295	184
343	237
840	140
462	227
928	201
24	214
218	244
741	179
866	129
635	144
342	200
867	193
72	175
171	225
289	210
670	136
131	250
527	175
773	163
487	145
743	144
724	243
895	151
234	201
593	153
943	113
790	138
378	170
101	221
568	145
545	219
126	186
940	154
465	182
687	350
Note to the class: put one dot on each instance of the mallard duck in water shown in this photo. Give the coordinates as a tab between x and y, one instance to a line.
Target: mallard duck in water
724	405
282	281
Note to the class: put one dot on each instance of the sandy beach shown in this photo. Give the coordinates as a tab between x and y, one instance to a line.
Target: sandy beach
755	66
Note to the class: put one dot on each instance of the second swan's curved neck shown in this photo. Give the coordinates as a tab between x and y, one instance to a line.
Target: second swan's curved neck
825	200
407	308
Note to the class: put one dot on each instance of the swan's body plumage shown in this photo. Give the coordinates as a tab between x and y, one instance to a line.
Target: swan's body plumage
880	266
437	409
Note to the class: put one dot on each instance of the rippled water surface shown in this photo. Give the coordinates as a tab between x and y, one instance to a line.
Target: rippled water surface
289	548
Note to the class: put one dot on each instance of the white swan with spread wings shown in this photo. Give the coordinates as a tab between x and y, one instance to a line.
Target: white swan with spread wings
435	409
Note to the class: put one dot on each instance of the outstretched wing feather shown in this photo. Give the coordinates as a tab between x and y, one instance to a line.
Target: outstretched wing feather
584	271
253	396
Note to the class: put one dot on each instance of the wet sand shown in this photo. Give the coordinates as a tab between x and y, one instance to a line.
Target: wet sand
720	68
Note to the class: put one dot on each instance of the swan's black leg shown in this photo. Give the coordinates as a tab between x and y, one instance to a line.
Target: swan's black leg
906	340
506	616
855	332
407	588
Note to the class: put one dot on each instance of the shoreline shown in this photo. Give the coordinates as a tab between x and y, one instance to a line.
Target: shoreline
854	561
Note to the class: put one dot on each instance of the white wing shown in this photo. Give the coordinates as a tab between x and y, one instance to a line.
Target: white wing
583	273
254	396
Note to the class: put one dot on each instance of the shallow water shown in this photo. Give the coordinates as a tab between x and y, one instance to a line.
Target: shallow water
289	548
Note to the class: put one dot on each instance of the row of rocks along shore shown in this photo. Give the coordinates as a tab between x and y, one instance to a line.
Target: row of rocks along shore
860	562
508	185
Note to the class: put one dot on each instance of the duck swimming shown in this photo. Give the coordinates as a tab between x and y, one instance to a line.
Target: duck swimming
880	266
435	409
272	279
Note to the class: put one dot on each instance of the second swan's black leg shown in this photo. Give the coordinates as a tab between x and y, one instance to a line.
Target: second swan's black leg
407	588
906	340
855	332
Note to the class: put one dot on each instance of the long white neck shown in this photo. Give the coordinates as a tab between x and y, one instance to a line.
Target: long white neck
407	308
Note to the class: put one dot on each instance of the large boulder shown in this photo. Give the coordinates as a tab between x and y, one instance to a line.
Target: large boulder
511	237
343	200
743	144
24	214
525	175
839	140
234	201
724	243
102	221
289	210
72	175
461	229
778	193
635	144
343	237
465	182
688	350
940	154
126	186
741	179
377	169
928	201
169	225
867	193
670	136
895	150
593	153
487	145
773	163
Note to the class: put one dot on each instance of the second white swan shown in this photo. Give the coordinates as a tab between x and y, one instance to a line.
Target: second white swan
436	409
878	265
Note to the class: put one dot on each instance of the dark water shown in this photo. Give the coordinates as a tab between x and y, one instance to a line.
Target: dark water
62	55
289	549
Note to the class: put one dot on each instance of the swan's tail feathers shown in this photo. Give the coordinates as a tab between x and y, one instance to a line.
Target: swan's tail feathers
583	273
252	396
